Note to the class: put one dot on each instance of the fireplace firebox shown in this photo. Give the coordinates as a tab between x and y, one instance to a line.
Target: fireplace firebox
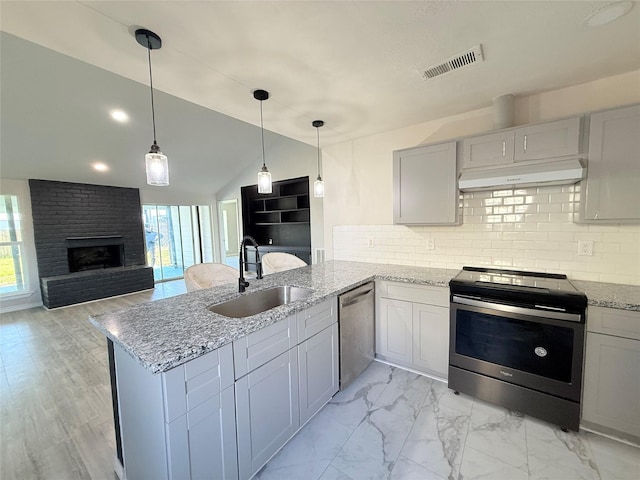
91	258
93	253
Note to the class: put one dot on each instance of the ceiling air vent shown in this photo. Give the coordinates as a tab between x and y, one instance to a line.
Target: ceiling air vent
463	59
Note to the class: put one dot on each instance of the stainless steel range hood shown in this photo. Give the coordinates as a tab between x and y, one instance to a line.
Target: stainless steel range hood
557	172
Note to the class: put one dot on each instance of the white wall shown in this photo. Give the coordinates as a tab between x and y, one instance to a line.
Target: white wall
285	159
358	178
32	298
162	196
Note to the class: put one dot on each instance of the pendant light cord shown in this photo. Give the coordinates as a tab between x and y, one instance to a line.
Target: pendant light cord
318	132
262	132
153	110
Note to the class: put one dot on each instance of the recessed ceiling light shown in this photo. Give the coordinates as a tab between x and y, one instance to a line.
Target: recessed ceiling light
119	115
607	14
100	167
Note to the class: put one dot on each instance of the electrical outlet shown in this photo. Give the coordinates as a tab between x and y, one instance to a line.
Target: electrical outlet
370	242
585	248
430	244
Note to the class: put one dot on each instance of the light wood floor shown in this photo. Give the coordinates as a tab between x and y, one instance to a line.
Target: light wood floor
55	398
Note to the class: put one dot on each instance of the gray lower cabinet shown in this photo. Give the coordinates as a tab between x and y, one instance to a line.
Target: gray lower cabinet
394	331
611	393
200	443
425	185
267	411
412	326
224	414
431	339
611	192
318	371
179	424
284	374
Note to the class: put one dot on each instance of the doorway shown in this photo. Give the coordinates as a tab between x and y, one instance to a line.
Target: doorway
229	231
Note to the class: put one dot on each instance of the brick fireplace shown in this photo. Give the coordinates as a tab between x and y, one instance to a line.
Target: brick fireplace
89	241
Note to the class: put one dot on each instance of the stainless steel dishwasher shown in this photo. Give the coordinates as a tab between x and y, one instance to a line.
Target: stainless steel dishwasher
356	322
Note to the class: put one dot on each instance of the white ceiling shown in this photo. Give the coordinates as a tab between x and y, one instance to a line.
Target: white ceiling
354	64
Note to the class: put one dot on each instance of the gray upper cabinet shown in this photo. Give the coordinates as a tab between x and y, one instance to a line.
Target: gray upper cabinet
545	141
548	140
425	188
611	192
487	150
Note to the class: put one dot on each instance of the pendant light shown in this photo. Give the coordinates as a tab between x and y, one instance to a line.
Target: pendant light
318	185
264	176
157	166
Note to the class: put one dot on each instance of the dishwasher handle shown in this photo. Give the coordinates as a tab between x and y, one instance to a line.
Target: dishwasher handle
348	300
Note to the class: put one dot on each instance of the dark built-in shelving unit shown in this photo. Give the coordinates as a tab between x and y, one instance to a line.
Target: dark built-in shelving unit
279	221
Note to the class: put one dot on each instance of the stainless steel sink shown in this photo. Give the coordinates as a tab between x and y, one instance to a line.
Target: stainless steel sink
257	302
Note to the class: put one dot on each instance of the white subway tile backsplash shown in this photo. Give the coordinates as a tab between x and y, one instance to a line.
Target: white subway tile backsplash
549	227
492	202
536	236
536	217
502	193
551	189
514	201
502	210
549	208
560	197
560	217
527	229
511	235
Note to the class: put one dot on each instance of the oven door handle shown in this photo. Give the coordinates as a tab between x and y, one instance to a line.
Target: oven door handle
571	317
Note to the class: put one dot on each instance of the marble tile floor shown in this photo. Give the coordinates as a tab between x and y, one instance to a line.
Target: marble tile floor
56	422
394	424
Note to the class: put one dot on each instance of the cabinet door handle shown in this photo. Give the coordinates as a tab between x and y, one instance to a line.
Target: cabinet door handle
504	148
525	143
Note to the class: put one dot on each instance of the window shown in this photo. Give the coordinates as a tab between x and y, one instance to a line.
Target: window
12	269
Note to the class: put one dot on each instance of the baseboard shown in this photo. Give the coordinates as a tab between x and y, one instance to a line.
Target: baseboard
409	369
610	433
20	306
118	469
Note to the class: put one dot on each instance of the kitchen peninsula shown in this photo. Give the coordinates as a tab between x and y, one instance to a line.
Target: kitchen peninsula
179	341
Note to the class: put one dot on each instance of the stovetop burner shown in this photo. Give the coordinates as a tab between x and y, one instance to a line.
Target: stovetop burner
528	288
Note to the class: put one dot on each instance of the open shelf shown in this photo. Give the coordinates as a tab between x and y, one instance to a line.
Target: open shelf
281	219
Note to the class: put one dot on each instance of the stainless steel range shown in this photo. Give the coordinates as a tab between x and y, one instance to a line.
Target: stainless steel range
517	340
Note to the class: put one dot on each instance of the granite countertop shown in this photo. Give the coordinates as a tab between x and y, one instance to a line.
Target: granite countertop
610	295
166	333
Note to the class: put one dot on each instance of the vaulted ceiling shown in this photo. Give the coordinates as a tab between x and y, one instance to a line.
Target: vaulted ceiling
357	65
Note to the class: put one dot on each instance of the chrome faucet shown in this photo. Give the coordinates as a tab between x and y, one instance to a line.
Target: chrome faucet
242	283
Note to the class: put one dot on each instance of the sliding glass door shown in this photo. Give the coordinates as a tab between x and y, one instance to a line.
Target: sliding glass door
176	238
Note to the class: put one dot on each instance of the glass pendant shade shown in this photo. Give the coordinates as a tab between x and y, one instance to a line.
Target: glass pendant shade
264	180
318	187
157	167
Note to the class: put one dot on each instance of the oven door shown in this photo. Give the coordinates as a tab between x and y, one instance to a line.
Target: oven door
533	348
